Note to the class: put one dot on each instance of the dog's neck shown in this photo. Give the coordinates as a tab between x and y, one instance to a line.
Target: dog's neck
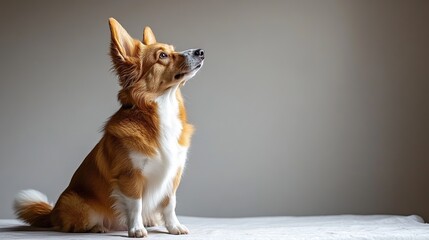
147	100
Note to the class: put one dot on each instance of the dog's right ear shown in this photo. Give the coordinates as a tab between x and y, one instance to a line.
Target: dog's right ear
123	45
148	36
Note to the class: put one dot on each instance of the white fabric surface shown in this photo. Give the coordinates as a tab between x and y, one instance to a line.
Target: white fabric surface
342	227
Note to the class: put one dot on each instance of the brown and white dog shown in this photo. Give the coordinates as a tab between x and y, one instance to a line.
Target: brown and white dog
132	174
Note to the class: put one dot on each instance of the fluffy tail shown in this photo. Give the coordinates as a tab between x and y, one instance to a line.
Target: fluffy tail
32	207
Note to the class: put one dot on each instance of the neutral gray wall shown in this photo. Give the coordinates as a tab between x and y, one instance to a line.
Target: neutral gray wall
302	107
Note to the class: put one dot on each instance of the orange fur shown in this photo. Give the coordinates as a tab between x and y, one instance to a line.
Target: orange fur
188	129
134	127
36	214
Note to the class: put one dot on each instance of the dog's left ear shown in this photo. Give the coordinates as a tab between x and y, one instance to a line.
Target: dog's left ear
123	45
125	52
148	36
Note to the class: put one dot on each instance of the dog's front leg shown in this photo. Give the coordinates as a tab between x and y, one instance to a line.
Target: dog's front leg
134	218
131	188
169	213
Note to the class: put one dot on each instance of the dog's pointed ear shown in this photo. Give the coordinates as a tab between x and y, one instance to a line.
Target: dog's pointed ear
148	36
125	52
123	45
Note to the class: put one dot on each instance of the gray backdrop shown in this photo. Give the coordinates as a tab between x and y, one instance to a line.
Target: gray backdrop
302	107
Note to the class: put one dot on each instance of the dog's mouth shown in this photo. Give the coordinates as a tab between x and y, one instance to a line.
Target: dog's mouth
182	74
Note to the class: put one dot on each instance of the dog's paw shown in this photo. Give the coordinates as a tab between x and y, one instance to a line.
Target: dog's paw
177	229
98	229
151	224
153	221
137	233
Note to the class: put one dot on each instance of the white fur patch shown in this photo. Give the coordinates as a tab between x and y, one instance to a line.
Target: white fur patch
160	170
27	197
171	128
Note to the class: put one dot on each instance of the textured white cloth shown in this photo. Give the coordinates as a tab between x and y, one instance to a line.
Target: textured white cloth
342	227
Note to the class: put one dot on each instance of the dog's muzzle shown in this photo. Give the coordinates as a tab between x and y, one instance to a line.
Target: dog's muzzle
194	61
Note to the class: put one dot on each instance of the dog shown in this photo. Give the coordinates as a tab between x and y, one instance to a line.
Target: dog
129	180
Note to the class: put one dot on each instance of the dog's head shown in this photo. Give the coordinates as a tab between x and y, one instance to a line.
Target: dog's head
147	69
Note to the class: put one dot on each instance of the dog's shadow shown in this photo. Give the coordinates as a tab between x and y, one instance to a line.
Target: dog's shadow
21	229
48	231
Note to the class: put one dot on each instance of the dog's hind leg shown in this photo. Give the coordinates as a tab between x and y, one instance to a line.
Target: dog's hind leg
73	214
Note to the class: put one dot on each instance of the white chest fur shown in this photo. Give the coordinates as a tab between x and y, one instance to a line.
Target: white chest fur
160	171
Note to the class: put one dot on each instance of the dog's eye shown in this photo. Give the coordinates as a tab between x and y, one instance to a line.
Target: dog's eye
163	55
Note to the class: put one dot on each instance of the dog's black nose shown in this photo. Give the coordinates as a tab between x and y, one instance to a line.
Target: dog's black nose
199	53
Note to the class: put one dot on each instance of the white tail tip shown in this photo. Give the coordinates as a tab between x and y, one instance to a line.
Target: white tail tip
27	197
